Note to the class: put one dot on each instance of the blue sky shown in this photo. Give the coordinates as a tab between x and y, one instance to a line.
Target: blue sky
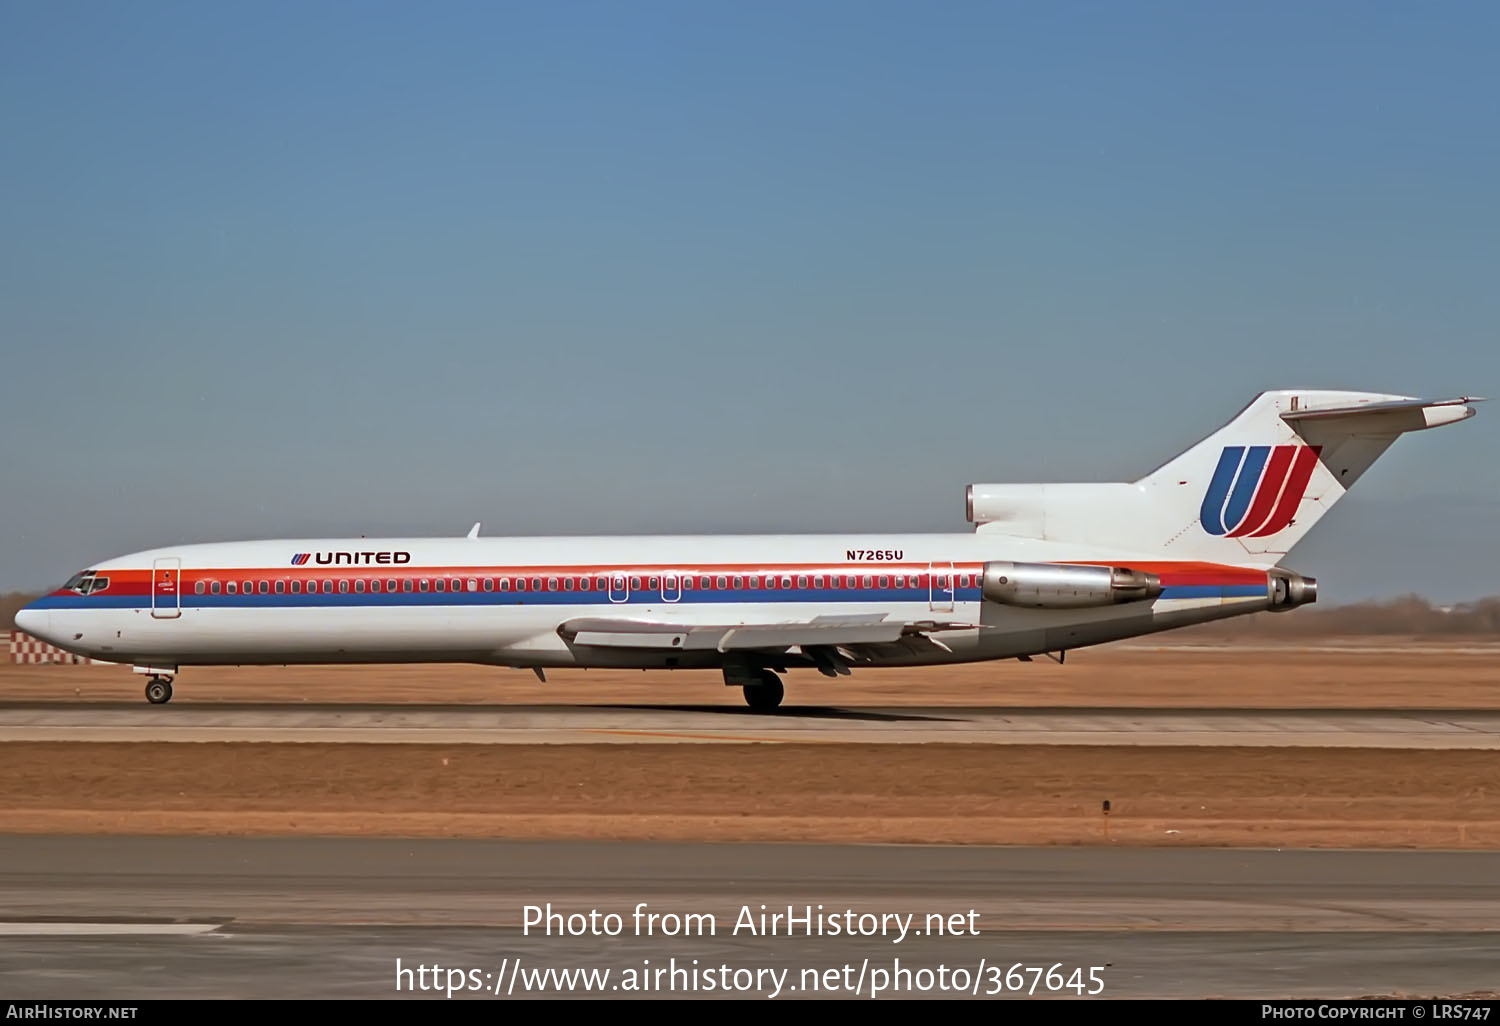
291	269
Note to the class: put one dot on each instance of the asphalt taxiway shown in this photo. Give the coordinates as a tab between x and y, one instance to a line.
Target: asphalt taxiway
626	724
132	917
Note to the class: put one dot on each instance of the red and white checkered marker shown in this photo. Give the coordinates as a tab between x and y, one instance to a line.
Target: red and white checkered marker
26	649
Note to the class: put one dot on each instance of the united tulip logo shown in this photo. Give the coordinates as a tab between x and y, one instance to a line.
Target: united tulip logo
1256	489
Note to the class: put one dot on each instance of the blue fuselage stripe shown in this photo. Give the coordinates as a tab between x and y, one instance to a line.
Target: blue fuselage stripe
584	598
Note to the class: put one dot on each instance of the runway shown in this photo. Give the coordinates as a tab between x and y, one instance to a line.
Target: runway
667	724
181	917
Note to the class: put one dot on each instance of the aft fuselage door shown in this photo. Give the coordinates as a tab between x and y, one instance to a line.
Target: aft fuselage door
166	588
671	586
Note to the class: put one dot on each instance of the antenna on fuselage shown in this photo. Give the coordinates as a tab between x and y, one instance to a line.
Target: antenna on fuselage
474	531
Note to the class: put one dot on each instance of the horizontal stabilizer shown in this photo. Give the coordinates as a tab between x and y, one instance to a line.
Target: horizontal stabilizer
1420	413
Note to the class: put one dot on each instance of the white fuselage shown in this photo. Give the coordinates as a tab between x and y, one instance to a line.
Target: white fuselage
503	601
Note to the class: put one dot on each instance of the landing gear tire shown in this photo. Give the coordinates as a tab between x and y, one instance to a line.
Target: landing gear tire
767	695
159	690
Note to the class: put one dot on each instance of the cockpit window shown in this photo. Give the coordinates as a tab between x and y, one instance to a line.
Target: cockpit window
86	583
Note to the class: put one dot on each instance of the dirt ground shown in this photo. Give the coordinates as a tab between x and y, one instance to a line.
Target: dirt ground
961	794
1373	674
887	793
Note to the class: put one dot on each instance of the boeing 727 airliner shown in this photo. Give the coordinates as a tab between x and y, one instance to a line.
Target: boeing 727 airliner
1047	568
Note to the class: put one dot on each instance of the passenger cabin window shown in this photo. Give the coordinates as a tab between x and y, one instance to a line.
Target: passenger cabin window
328	587
406	584
505	584
885	582
489	584
359	586
281	587
296	587
868	581
214	587
424	585
786	582
536	584
802	580
817	580
343	587
739	582
232	588
265	588
721	582
567	584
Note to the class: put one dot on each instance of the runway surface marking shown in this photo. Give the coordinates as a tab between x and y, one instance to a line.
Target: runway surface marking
657	734
83	928
529	725
1337	649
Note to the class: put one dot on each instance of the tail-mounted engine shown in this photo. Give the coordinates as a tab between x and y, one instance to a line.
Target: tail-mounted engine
1066	586
1289	590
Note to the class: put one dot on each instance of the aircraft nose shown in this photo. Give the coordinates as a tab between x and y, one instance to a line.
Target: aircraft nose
36	622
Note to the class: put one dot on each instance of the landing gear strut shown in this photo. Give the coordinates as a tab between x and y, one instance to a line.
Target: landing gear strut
159	690
767	695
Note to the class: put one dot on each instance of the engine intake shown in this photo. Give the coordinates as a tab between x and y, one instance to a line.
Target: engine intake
1066	586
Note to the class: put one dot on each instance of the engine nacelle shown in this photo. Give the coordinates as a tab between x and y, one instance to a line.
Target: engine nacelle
1066	586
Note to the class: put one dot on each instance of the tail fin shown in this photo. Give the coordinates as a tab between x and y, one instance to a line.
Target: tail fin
1245	494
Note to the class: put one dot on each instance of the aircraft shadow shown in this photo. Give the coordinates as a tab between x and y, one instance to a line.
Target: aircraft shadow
498	710
812	712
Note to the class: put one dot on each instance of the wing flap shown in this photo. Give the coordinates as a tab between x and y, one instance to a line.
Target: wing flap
827	633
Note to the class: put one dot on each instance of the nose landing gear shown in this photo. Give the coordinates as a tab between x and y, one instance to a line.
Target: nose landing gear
159	690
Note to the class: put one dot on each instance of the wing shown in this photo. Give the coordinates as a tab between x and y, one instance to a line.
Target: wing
832	643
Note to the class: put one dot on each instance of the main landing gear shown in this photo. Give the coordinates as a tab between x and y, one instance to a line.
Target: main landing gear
766	695
159	690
